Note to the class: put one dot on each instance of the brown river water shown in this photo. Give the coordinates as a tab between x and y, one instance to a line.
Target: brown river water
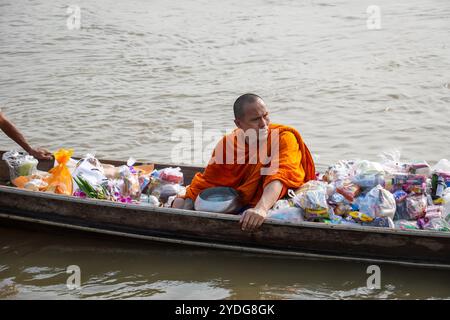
137	70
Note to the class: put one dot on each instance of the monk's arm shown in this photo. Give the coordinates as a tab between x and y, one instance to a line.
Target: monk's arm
254	217
270	195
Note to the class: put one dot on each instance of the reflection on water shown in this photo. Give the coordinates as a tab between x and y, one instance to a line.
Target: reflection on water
33	265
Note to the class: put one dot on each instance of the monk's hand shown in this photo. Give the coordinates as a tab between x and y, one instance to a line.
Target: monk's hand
252	219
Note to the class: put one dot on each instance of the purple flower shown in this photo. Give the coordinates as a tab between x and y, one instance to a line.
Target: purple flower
79	194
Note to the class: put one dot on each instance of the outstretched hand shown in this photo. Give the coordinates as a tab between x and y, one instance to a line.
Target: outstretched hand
41	154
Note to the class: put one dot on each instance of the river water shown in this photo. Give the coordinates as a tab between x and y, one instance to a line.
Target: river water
135	71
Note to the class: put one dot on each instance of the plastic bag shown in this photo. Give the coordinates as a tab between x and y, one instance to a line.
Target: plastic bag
36	185
390	162
368	174
340	171
365	167
378	202
416	206
443	166
290	214
91	170
312	195
433	220
380	222
421	167
349	190
406	225
416	183
368	180
446	205
401	212
129	183
60	181
171	175
20	164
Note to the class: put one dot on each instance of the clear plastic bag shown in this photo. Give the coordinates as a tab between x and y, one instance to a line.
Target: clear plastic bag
443	166
312	198
406	225
416	206
20	164
91	170
349	190
170	175
378	202
390	162
446	205
36	185
340	171
290	214
312	195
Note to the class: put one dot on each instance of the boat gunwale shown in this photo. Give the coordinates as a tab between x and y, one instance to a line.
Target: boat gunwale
222	216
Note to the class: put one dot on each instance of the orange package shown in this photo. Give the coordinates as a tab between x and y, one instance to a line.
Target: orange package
60	181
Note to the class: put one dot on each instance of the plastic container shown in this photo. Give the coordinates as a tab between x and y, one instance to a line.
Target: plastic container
20	164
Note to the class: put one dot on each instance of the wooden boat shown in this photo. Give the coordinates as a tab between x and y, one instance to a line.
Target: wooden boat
307	239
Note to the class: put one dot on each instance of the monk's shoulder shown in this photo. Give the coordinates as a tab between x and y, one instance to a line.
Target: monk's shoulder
288	140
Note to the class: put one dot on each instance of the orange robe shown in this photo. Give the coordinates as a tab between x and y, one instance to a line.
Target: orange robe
295	166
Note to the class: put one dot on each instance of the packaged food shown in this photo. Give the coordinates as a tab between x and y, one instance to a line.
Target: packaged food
312	196
20	164
416	205
378	202
172	175
406	225
349	190
60	181
36	185
290	214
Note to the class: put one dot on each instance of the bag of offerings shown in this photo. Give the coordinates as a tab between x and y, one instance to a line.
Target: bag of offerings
433	220
406	225
340	171
20	164
407	182
401	212
348	189
60	181
91	170
446	205
368	174
378	202
284	210
312	198
416	206
166	183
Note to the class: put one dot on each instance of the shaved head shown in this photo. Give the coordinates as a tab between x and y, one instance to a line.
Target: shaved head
241	102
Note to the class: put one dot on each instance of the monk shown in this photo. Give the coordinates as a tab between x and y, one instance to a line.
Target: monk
261	178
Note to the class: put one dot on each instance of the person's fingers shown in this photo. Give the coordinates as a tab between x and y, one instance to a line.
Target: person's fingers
260	222
247	217
242	216
255	222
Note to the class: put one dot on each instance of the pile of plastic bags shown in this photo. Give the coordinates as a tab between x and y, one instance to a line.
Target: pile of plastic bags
89	178
362	193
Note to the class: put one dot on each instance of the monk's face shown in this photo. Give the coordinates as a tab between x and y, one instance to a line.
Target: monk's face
256	117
